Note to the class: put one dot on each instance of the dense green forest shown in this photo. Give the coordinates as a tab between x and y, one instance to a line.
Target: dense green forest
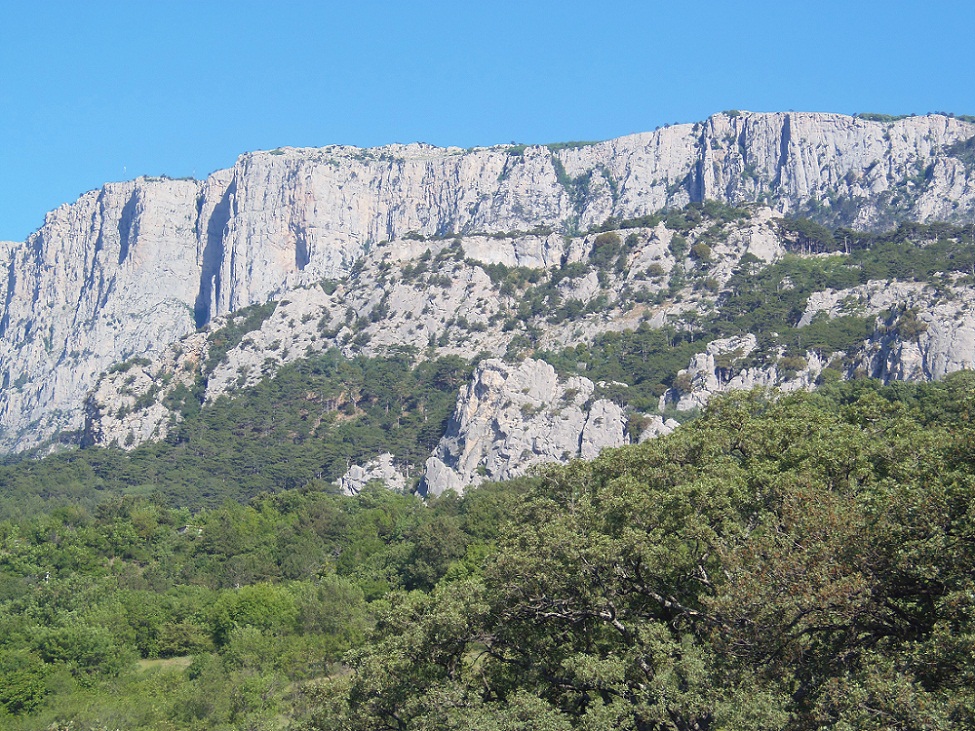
803	562
138	616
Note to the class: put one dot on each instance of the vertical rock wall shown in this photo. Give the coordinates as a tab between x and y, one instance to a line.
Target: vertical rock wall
132	267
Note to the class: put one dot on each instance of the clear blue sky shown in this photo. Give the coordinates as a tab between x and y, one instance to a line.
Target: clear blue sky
93	91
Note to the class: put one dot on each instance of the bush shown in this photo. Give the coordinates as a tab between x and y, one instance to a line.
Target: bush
606	248
701	252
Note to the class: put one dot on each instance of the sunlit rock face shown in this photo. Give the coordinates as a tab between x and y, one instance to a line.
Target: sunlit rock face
511	417
131	268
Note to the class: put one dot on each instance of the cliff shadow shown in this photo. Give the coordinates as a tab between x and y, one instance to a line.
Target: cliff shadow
125	222
212	257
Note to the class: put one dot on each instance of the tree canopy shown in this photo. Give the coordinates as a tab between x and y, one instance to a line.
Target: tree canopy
803	563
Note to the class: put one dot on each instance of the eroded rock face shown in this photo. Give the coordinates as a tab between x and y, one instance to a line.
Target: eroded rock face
922	333
131	268
126	407
824	159
925	334
511	417
381	469
439	296
724	366
111	276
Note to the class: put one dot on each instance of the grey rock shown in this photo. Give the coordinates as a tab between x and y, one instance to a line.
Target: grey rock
658	427
944	343
604	428
126	406
131	268
513	417
721	368
381	469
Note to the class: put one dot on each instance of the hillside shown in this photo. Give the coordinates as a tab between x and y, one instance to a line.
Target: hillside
713	384
132	268
799	564
622	332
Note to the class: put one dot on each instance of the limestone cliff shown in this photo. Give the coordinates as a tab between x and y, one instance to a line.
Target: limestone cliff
447	297
922	332
129	269
512	417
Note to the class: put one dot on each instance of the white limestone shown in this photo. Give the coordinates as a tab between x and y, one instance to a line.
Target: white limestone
131	268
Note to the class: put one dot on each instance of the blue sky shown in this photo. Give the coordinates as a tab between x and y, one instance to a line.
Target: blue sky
94	91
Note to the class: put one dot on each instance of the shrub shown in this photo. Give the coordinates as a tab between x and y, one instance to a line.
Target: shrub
701	251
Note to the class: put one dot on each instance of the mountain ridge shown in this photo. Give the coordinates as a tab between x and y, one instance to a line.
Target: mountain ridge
132	268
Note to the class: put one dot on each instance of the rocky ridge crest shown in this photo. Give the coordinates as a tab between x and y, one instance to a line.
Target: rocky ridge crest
130	269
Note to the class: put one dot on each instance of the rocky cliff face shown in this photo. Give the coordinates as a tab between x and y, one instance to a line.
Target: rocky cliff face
129	269
444	297
512	417
722	368
110	276
923	332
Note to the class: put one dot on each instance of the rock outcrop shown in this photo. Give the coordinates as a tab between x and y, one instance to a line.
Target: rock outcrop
381	469
111	276
131	268
725	366
452	297
924	332
512	417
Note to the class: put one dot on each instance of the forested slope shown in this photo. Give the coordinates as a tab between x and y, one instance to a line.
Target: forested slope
658	313
799	563
301	428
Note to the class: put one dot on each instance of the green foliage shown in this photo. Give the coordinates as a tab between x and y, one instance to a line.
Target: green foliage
577	187
22	686
139	616
129	364
509	280
646	359
264	607
693	214
573	145
875	117
911	250
800	235
805	564
774	297
798	564
827	336
701	251
238	325
909	326
769	301
609	252
616	224
677	247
